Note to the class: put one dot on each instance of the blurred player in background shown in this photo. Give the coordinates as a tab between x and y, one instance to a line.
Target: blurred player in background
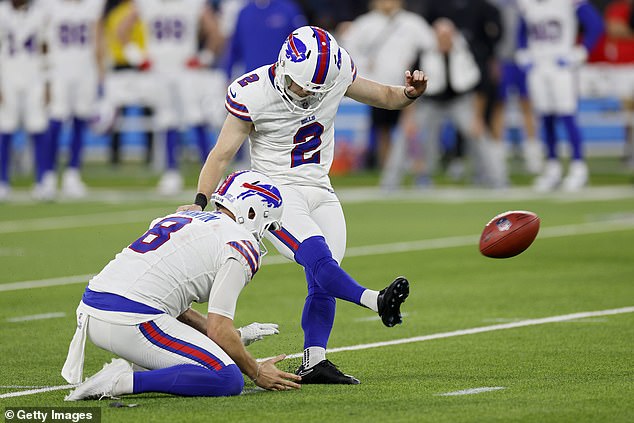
548	49
453	76
261	27
173	63
287	110
385	41
75	49
22	88
512	82
139	305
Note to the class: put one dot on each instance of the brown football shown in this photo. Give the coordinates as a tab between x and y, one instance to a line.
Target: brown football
509	233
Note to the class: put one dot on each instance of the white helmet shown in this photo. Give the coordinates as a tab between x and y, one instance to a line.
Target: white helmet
311	58
253	199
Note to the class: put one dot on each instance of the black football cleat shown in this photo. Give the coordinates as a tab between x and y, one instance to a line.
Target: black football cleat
325	373
390	300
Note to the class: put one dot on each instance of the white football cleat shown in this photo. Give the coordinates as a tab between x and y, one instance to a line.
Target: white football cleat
5	192
171	183
101	384
46	190
533	156
72	185
577	176
550	177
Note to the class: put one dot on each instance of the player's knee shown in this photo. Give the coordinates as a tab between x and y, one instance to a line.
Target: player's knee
313	253
234	380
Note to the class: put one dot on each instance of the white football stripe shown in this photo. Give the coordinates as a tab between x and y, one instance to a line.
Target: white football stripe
472	391
36	317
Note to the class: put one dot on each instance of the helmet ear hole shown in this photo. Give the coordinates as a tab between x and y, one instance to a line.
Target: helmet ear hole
251	213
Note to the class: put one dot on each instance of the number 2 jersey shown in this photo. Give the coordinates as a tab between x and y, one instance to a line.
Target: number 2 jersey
184	257
291	148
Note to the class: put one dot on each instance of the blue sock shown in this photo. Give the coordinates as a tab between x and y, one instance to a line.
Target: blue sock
574	136
41	144
318	315
315	256
76	142
5	155
201	138
191	380
550	136
54	131
171	146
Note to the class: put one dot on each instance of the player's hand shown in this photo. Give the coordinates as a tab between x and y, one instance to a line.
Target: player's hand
187	207
415	83
256	331
271	378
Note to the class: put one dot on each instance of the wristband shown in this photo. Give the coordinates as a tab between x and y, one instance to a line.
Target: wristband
408	96
201	200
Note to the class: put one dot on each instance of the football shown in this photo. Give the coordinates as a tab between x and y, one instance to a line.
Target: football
509	233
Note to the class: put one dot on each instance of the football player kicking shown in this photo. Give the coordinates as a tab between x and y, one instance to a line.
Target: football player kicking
288	110
139	306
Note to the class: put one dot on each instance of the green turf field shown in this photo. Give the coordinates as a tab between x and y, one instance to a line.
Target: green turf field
566	369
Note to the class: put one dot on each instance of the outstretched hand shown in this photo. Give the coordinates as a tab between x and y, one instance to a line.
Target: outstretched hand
257	331
271	378
415	83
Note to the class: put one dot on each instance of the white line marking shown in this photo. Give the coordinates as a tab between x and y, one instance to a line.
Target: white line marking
36	317
616	225
530	322
36	391
82	221
21	387
472	331
68	280
472	391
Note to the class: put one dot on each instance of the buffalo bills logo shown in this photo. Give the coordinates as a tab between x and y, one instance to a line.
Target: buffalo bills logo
338	59
295	49
268	193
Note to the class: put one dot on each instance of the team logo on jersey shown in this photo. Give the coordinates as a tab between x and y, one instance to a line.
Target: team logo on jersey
268	193
295	49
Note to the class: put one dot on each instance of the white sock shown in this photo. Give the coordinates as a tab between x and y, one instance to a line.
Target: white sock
124	385
370	299
312	356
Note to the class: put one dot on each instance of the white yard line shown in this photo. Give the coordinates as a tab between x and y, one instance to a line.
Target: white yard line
472	391
472	331
36	391
616	225
43	316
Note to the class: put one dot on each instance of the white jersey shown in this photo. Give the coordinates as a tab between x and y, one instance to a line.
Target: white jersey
289	147
383	45
172	28
71	35
176	263
21	39
551	27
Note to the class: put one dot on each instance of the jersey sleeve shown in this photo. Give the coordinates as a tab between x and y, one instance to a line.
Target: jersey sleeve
228	284
348	68
236	98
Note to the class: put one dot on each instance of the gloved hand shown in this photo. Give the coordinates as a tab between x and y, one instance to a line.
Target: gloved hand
577	57
256	331
524	59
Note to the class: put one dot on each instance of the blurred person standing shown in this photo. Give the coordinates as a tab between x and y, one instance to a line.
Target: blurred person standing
261	27
512	82
74	45
480	23
548	50
619	27
173	63
453	76
385	41
22	88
